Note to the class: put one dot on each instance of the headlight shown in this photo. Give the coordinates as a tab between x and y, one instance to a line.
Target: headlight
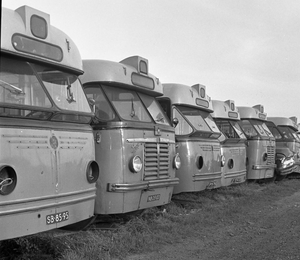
8	180
92	172
230	163
177	162
135	164
223	160
265	156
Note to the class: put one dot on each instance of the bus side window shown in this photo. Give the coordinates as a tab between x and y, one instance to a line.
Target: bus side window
165	103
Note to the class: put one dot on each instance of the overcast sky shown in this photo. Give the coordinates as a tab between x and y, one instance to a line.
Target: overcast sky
244	50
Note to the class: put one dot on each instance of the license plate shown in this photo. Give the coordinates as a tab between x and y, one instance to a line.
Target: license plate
56	218
236	180
153	197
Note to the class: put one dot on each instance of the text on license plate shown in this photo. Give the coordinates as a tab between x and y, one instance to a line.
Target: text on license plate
153	197
56	218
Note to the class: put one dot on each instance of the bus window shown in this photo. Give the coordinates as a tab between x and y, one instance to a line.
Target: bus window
267	130
228	129
154	109
19	85
183	127
103	109
195	117
238	129
212	124
286	132
127	103
248	128
61	84
275	132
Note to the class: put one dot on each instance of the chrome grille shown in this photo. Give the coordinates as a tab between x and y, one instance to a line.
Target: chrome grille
271	155
157	158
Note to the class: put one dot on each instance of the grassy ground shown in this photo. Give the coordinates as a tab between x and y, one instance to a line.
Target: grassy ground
192	215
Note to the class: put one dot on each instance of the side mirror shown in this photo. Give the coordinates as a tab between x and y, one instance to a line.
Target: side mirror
175	122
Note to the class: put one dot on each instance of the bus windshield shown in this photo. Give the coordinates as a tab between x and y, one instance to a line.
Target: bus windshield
129	105
24	95
64	88
230	129
196	122
287	132
275	131
19	86
254	128
154	109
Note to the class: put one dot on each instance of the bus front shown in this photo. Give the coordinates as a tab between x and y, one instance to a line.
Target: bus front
288	128
47	163
284	157
260	143
233	147
135	142
197	135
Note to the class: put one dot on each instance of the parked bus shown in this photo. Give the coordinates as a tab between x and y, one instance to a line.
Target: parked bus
196	134
288	128
260	143
47	161
135	142
233	147
284	157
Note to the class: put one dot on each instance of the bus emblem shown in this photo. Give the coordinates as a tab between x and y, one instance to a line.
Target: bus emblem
53	142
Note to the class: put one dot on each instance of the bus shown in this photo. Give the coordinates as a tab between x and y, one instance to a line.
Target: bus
135	142
288	128
233	146
196	134
47	161
260	143
284	157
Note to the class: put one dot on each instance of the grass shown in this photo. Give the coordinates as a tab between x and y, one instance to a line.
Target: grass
153	228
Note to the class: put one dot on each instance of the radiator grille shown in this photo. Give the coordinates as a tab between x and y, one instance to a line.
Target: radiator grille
157	158
271	155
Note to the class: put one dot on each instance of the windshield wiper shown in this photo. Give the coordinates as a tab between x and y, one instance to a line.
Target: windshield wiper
132	114
11	88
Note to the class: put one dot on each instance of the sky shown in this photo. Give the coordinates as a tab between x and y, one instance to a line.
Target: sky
243	50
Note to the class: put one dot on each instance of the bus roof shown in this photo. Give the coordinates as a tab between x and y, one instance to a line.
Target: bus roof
27	32
255	112
194	96
284	121
225	110
131	73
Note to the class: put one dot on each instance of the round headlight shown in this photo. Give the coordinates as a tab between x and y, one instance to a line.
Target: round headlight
177	162
223	160
135	164
8	180
265	156
92	172
230	163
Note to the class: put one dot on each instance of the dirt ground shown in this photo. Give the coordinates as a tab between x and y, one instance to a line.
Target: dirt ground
262	229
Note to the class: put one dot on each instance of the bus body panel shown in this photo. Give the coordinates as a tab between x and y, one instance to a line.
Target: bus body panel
48	182
234	170
257	168
233	147
47	168
195	153
121	190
